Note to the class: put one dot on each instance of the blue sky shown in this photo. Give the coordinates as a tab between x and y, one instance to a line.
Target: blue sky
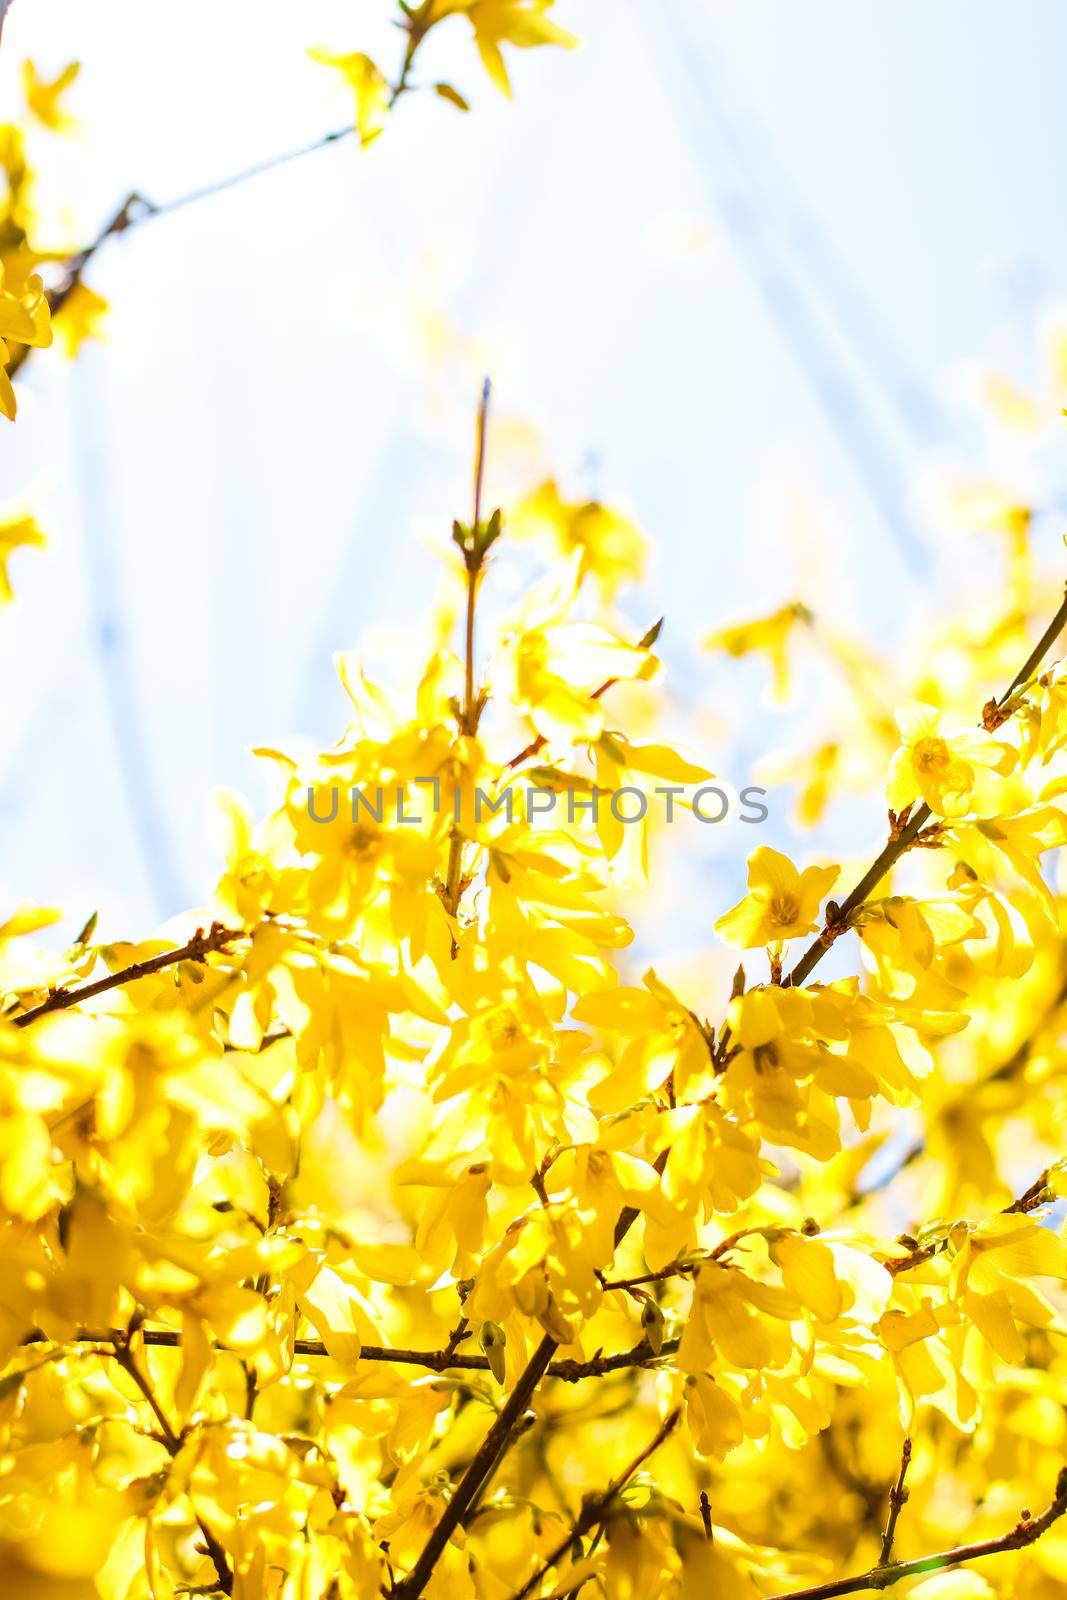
729	265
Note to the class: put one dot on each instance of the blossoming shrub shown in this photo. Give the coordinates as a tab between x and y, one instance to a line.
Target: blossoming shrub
378	1228
359	1227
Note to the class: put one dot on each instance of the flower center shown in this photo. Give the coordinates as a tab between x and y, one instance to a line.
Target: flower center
502	1031
929	753
764	1056
784	910
362	841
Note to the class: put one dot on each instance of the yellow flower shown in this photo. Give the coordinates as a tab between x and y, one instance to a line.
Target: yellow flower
24	319
43	97
80	317
910	943
781	902
612	549
770	1083
623	764
451	1230
559	672
604	1182
770	634
663	1040
545	1266
990	1279
937	765
522	23
17	530
367	84
715	1419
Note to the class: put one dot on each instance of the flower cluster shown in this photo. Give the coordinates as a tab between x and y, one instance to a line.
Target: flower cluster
385	1227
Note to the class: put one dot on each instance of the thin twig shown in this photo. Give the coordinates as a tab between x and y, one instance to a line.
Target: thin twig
898	1494
133	210
198	948
476	565
1025	1532
479	1470
479	480
447	1360
1037	1194
484	1462
416	28
172	1443
903	839
136	209
450	1359
597	1506
457	1336
474	552
684	1265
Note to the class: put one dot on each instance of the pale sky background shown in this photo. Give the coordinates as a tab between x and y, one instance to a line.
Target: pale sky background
732	261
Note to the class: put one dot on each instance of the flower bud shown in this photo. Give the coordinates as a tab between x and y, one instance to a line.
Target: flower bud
493	1341
652	1323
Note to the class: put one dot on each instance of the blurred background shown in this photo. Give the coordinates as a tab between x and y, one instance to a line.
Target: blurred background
741	269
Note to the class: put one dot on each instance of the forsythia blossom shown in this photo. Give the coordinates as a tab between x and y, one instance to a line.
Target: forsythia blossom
781	902
376	1228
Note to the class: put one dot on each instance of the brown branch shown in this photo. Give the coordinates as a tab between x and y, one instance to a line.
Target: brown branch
897	1498
447	1360
136	209
121	1353
569	1370
457	1336
883	863
1037	654
479	1470
474	544
902	839
198	948
676	1269
1036	1195
475	1509
484	1462
642	1355
683	1266
1025	1532
416	27
597	1506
